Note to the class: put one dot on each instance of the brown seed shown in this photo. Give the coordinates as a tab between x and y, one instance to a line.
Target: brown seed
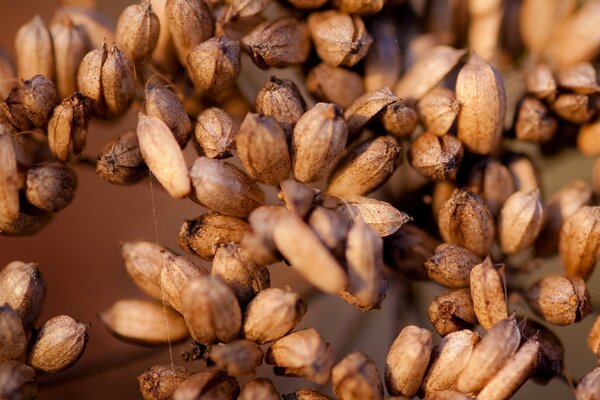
487	283
552	352
406	251
443	395
560	300
427	72
448	359
89	78
272	314
29	221
304	354
399	119
146	322
541	83
258	242
332	229
366	107
214	64
210	384
579	242
118	81
520	221
579	78
279	43
493	182
589	387
362	7
524	171
34	50
98	27
163	103
383	62
596	175
534	121
281	99
70	46
436	157
143	262
203	235
593	339
176	273
587	139
237	358
17	381
334	85
297	196
465	220
381	216
50	186
451	265
13	342
160	381
480	92
259	389
23	289
356	377
137	30
120	161
306	394
365	167
31	103
438	110
340	38
215	132
407	361
9	185
68	126
318	141
489	356
190	23
452	311
8	74
573	107
211	310
240	9
224	188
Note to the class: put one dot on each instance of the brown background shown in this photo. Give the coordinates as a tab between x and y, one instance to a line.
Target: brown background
79	257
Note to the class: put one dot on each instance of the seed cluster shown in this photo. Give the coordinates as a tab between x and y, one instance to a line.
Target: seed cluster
364	90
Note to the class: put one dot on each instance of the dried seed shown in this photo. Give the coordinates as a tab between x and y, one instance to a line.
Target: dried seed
520	221
534	121
118	81
438	110
407	361
552	353
579	78
17	381
259	389
362	7
366	107
31	103
214	64
332	229
160	381
399	119
34	50
240	9
89	78
258	242
540	82
176	272
493	182
334	85
524	172
190	23
587	139
297	196
272	314
137	30
304	354
70	46
163	103
211	310
50	186
452	311
560	300
589	387
98	27
8	74
23	289
365	167
406	251
203	235
442	191
538	20
381	216
436	157
164	54
593	339
143	262
68	126
487	292
306	394
237	358
13	342
9	185
211	384
573	107
356	377
215	132
451	265
318	141
383	62
29	221
281	99
579	242
120	161
445	395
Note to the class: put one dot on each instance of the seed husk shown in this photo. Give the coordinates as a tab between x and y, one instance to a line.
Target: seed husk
438	110
282	100
524	171
17	381
541	83
560	300
297	196
9	185
380	215
50	186
452	311
163	103
98	27
190	23
436	157
143	262
241	9
573	107
23	289
215	132
176	273
68	126
34	50
534	121
356	377
70	44
366	107
258	242
593	339
336	85
160	381
259	389
589	387
579	78
13	342
237	358
8	74
306	394
137	30
118	81
487	292
214	64
493	182
520	221
332	229
451	265
406	250
31	103
579	242
120	161
207	384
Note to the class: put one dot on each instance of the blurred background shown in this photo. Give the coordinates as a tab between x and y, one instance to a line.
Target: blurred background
79	257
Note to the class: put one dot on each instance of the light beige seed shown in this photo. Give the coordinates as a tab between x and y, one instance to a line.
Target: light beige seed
22	287
436	157
68	126
214	64
332	229
335	85
451	265
356	377
143	263
540	82
258	242
176	273
560	300
487	291
297	196
593	339
137	30
34	50
520	221
190	23
240	9
160	381
493	182
452	311
207	384
163	103
573	107
366	107
589	387
438	110
98	27
259	389
579	78
89	78
237	358
9	185
579	242
282	100
70	44
118	81
215	132
534	121
380	215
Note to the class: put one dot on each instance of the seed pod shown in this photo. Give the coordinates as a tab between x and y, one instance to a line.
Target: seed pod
8	74
436	157
552	353
340	38
224	188
427	72
214	64
381	216
593	339
487	292
99	28
211	310
175	274
480	92
318	141
210	384
407	361
215	132
356	377
465	220
137	30
452	311
162	154
17	381
160	381
31	103
13	342
203	235
262	148
520	221
259	389
365	167
50	186
560	300
303	249
281	99
34	50
578	78
332	229
120	161
70	46
306	394
258	242
399	119
297	196
573	107
334	85
272	314
524	172
68	126
190	23
493	182
9	185
237	358
438	110
589	387
163	103
489	356
23	289
534	122
366	107
58	344
278	43
143	262
448	359
580	242
146	322
89	78
245	277
304	354
541	83
451	265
